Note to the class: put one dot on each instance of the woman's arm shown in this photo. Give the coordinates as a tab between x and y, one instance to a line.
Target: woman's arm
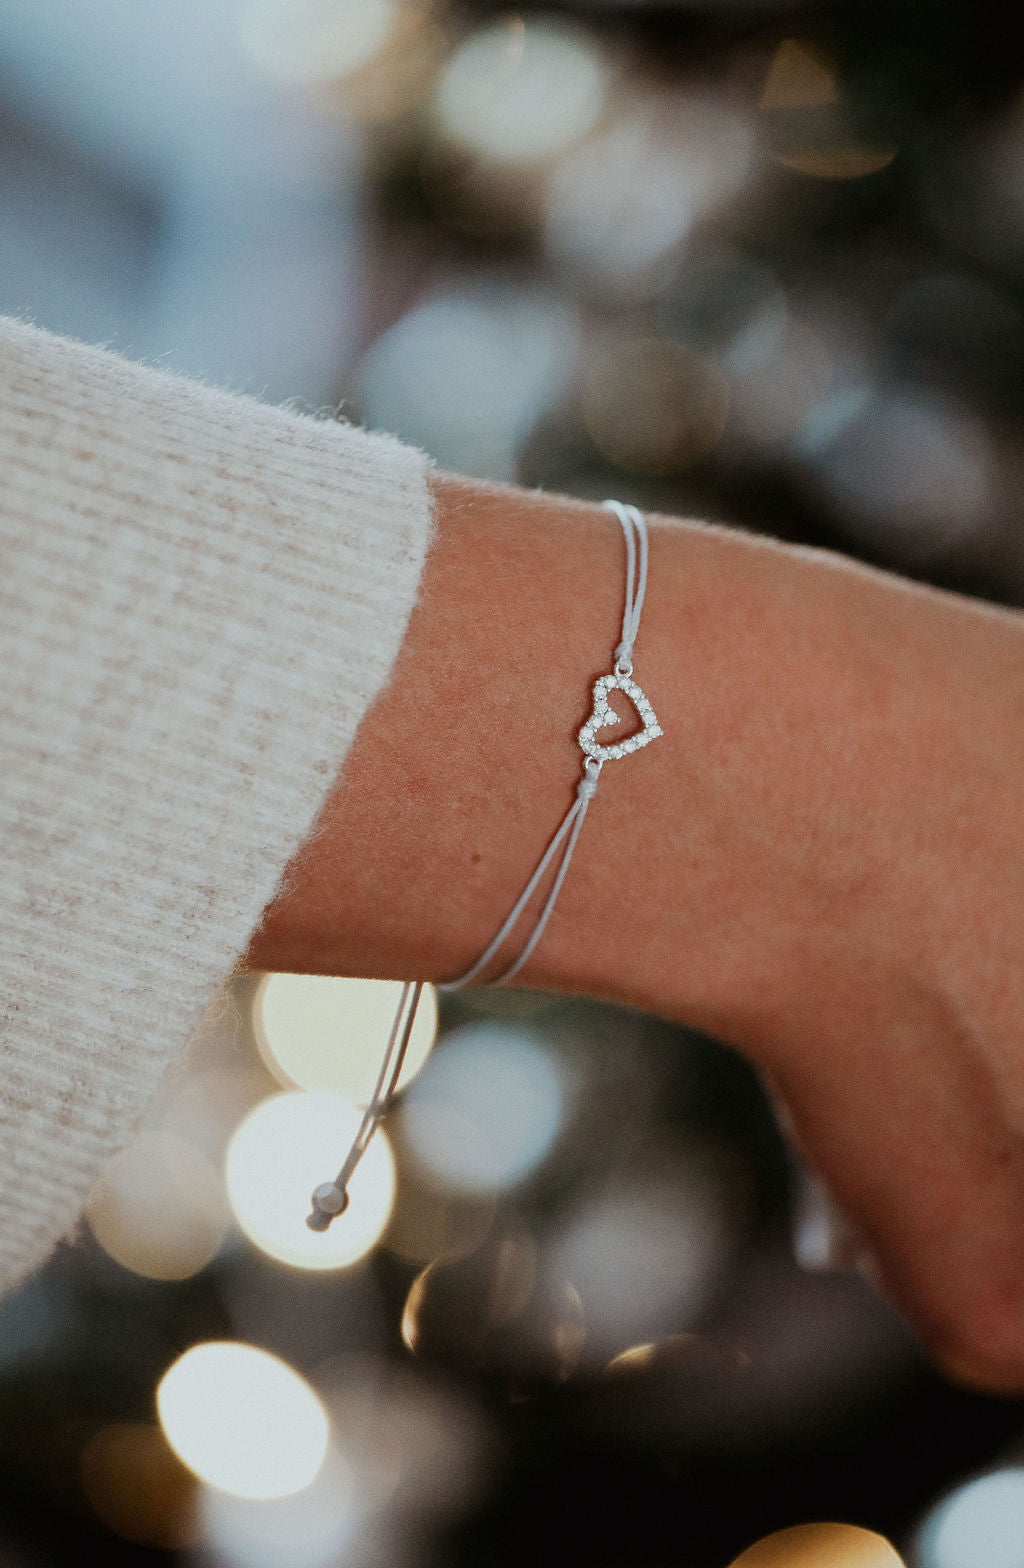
822	863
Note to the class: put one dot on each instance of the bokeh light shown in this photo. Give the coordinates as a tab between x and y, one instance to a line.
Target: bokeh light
810	128
495	1314
289	1145
389	88
644	1252
139	1487
653	407
728	306
320	1032
204	1106
243	1420
675	1361
620	207
518	90
160	1209
821	1546
466	376
310	1528
413	1445
637	1358
487	1109
801	76
907	474
842	162
432	1220
980	1525
822	1238
616	210
775	398
312	42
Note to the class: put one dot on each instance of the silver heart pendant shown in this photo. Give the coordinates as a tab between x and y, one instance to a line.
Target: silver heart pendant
604	715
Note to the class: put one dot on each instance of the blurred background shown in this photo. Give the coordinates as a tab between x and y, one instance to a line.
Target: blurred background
747	260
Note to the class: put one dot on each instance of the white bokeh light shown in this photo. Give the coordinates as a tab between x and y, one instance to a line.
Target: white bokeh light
518	91
645	1252
907	473
308	1529
776	398
412	1444
319	1032
614	209
287	1146
314	41
980	1525
488	1108
466	377
243	1420
160	1209
620	206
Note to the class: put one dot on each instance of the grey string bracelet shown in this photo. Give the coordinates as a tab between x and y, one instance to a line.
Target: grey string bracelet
331	1198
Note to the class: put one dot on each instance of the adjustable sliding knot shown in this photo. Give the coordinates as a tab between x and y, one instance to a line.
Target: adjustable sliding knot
586	789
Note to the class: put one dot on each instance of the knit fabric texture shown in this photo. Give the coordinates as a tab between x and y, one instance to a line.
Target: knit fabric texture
200	597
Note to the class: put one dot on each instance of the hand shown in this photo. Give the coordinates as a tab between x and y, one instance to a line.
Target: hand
841	880
822	863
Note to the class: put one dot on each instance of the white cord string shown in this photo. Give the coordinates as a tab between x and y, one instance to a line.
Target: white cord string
573	819
331	1198
632	520
634	529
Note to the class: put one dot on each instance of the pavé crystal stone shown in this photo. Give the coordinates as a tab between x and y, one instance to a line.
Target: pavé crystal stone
604	715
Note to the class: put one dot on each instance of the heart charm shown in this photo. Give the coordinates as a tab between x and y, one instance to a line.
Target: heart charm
604	715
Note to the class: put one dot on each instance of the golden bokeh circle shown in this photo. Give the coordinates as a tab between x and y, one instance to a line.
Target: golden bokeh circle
815	1545
654	408
138	1487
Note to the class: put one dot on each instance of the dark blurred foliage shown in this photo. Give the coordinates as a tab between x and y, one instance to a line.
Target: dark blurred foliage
888	426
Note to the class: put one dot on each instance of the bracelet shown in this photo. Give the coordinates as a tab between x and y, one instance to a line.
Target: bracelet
331	1198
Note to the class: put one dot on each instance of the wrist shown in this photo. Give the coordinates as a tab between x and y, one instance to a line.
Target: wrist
465	763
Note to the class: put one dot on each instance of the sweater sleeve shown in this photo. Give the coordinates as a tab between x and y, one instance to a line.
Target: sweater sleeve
200	597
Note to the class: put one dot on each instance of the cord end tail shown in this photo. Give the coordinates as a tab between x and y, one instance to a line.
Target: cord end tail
329	1200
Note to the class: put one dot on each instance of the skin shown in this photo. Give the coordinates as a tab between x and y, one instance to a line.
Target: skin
821	863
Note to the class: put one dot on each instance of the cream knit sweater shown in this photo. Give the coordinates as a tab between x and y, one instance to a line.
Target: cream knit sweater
200	596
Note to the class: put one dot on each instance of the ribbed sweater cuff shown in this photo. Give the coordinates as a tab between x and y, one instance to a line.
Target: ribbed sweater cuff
200	597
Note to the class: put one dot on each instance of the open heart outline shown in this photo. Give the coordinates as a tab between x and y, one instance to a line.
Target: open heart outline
604	715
